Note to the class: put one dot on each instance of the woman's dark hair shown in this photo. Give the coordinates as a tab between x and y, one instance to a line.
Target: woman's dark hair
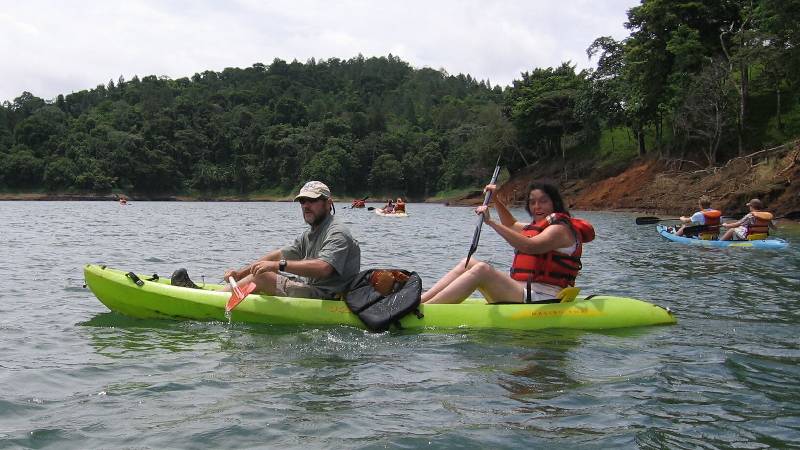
551	191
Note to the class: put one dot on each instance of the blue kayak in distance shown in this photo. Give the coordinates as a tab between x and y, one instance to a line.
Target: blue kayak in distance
767	244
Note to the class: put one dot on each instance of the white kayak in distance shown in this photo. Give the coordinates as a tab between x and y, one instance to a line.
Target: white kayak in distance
379	211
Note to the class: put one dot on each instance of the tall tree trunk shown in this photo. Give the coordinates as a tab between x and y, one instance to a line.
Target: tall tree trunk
640	140
743	94
778	106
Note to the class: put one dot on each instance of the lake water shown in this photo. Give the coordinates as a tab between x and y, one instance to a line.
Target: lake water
74	375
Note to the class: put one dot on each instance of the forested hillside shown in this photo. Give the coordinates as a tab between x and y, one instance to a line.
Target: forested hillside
361	124
701	81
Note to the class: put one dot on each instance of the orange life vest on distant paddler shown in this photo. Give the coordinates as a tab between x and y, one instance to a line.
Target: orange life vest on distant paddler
760	225
554	268
711	225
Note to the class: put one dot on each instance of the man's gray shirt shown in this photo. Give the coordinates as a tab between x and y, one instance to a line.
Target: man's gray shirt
331	242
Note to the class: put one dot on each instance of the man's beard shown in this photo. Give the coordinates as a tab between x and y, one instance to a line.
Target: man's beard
317	219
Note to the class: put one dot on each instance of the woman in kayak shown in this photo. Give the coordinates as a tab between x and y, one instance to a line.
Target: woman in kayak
547	254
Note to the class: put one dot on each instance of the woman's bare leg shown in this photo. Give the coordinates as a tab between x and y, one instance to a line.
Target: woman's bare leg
496	286
454	273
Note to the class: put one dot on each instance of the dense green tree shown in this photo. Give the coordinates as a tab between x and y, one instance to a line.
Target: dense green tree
542	108
41	130
386	176
60	173
21	168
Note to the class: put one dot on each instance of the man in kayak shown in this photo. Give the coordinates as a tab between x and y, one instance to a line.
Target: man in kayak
547	254
704	223
319	264
754	225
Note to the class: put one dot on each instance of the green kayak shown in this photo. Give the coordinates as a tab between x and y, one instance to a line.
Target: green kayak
159	300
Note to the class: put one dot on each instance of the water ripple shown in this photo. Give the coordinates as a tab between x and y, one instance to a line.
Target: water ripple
77	376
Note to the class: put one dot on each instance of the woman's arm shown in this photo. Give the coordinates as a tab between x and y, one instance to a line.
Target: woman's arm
553	237
506	218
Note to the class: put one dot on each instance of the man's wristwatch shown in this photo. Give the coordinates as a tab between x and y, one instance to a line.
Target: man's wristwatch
282	265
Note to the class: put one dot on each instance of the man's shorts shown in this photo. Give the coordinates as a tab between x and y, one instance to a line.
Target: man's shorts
740	233
288	287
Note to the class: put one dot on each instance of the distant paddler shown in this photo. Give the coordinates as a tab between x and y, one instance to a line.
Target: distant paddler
389	207
399	205
704	223
754	225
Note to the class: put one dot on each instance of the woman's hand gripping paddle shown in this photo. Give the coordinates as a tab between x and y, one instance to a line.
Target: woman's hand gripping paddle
238	294
477	236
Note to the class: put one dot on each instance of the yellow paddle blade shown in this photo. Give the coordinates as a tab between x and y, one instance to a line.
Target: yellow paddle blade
568	294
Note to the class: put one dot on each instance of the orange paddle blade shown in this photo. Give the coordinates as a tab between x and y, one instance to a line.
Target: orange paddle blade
238	294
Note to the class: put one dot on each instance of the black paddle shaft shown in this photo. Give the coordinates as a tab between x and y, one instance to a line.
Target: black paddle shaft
477	236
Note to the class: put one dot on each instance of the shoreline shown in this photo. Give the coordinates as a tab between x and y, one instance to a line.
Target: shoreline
68	196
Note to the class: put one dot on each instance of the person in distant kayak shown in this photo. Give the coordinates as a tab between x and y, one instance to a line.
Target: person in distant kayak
389	208
319	264
547	254
754	225
707	217
399	205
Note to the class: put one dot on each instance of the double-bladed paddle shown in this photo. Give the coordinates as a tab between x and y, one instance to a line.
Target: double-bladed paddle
650	220
477	236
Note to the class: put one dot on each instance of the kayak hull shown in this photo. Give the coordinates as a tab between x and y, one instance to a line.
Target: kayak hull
379	211
159	300
768	244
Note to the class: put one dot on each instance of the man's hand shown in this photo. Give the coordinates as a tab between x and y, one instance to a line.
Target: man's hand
263	266
231	273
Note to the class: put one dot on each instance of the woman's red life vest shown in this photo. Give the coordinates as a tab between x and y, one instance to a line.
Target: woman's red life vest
761	224
554	268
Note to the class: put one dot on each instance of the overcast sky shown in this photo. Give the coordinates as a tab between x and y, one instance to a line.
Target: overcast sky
58	47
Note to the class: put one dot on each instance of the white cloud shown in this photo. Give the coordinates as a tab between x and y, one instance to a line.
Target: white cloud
54	47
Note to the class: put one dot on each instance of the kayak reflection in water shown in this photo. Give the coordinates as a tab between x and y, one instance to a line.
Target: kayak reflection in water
320	263
547	254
